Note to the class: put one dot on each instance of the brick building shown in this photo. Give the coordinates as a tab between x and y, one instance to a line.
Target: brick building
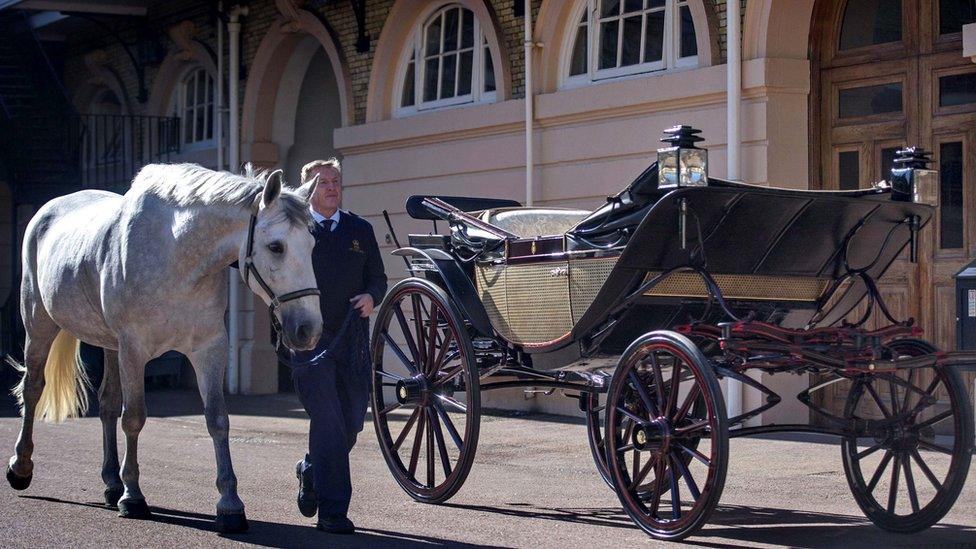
428	96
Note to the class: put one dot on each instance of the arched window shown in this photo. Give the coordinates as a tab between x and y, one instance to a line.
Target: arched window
448	62
193	104
615	38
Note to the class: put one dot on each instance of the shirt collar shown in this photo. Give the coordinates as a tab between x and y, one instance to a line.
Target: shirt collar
319	218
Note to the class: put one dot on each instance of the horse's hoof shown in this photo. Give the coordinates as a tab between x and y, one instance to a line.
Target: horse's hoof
133	509
231	523
18	482
112	496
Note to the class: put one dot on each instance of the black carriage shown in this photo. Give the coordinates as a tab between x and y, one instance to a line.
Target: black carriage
682	280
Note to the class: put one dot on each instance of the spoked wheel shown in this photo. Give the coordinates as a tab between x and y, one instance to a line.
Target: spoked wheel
594	410
426	401
907	474
666	435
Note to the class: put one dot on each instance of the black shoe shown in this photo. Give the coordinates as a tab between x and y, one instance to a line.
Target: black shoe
307	504
335	524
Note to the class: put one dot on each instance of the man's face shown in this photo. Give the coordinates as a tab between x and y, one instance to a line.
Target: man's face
328	192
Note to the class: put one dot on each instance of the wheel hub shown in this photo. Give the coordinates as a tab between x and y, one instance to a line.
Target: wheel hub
654	435
412	390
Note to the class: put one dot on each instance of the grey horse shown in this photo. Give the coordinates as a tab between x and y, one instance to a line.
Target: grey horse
144	273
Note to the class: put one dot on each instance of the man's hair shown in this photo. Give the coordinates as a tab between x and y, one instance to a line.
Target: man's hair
331	163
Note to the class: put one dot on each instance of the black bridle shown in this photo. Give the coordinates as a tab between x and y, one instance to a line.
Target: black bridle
276	301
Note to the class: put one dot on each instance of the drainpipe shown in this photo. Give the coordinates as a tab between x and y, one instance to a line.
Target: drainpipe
529	116
234	159
733	140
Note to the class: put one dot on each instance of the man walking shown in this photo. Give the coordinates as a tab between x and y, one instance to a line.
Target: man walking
333	380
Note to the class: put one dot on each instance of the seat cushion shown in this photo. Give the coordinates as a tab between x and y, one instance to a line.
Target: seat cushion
532	222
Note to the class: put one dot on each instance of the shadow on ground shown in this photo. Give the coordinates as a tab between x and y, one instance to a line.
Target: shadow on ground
268	534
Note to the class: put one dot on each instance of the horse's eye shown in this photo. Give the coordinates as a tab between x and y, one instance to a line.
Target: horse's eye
276	248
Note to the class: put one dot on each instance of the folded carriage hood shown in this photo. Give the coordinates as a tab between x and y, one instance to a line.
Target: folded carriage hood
744	229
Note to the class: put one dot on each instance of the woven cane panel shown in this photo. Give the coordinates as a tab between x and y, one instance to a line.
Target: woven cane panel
527	303
749	287
586	277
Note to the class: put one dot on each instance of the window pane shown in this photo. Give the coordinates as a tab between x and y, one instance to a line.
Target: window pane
407	98
953	14
868	22
447	78
888	155
451	29
848	176
209	118
201	88
608	45
187	122
654	39
957	89
633	5
655	4
433	43
210	89
489	71
430	79
689	44
464	73
467	29
578	63
632	41
189	92
198	126
950	195
869	100
609	8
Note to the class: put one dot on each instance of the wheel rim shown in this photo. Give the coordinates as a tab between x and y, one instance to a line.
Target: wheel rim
664	477
905	476
425	395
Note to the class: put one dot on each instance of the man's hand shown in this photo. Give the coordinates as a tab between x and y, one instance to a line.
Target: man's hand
363	302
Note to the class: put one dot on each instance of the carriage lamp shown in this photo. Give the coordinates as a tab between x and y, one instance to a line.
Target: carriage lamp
911	180
682	164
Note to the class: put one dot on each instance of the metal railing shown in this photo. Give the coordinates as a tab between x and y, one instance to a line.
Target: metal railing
111	148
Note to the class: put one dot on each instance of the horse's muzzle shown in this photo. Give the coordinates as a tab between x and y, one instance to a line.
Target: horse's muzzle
301	332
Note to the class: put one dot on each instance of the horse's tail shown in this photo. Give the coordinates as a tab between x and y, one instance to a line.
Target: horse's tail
66	383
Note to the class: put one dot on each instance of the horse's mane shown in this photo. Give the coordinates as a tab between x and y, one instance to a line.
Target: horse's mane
191	184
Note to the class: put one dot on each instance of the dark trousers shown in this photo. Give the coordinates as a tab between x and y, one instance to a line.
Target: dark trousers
335	395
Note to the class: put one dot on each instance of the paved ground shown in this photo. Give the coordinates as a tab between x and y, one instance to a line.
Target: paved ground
533	485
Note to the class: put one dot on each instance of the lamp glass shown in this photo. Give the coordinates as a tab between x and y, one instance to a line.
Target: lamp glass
694	168
926	187
667	167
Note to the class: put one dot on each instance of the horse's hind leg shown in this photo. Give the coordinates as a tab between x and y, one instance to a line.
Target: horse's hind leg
132	372
209	364
109	410
41	331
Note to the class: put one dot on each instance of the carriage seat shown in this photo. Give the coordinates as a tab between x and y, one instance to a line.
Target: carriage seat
532	222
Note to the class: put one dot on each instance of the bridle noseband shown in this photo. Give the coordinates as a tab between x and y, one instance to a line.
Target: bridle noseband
276	301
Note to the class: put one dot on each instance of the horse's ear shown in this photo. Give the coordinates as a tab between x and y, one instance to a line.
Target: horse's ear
272	189
308	189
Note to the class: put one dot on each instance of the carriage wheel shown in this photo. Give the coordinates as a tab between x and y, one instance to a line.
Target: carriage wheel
653	426
906	476
426	401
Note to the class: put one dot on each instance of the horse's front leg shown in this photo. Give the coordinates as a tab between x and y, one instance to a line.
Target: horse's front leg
109	410
132	374
209	363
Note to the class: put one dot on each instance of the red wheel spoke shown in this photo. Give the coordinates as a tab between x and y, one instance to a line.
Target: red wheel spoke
910	482
696	454
639	477
658	383
689	480
893	394
448	377
879	472
642	392
441	445
399	354
934	447
432	341
868	452
389	408
686	406
675	494
418	322
657	489
877	399
406	429
690	428
627	413
925	469
636	464
908	389
430	450
451	429
673	395
415	451
405	328
453	402
893	489
934	419
394	377
439	359
924	402
624	449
